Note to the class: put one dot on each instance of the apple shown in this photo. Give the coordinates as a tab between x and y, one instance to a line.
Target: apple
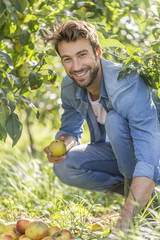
52	230
97	227
57	148
36	230
11	230
23	237
2	227
63	234
22	224
47	238
5	236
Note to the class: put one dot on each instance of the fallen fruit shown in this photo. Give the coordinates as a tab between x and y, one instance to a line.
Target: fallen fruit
63	234
5	236
52	230
22	224
23	237
97	227
36	230
11	230
2	227
57	148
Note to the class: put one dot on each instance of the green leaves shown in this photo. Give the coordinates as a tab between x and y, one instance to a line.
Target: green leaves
14	127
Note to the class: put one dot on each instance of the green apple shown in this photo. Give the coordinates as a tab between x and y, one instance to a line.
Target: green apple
36	230
57	148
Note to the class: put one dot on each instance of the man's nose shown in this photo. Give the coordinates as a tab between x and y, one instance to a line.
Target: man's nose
76	65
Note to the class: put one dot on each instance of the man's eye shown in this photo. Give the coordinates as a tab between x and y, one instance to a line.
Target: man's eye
66	59
82	54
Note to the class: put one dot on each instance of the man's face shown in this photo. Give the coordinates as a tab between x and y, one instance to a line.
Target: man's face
79	61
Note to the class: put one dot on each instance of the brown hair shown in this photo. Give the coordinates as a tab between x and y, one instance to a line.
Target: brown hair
71	30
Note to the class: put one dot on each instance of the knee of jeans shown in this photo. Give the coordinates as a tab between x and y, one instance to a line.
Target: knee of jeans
62	171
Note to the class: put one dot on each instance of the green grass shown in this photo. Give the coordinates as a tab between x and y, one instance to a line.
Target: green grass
29	189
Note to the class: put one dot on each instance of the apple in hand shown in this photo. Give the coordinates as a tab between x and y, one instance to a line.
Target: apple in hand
22	224
63	234
5	236
36	230
57	148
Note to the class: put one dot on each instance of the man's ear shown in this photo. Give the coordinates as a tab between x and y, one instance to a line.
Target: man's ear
99	52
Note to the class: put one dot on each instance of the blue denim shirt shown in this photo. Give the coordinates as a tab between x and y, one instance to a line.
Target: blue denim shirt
128	96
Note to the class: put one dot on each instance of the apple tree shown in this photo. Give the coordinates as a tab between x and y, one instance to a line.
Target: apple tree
30	70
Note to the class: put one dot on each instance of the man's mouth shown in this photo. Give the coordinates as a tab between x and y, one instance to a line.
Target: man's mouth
79	74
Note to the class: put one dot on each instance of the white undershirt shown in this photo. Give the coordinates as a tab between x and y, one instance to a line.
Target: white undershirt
98	110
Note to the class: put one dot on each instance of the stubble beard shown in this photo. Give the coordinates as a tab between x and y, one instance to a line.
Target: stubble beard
92	77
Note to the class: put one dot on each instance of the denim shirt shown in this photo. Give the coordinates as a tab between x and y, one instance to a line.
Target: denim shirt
132	99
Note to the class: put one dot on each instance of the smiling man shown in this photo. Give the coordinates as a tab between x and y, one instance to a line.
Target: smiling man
121	116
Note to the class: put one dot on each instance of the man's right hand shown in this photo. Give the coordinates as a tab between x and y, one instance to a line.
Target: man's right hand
53	159
69	142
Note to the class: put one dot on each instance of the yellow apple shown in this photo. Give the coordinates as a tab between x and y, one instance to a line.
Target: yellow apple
2	227
52	230
11	230
97	227
63	234
36	230
57	148
5	236
23	237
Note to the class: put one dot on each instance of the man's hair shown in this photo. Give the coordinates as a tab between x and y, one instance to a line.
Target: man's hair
72	30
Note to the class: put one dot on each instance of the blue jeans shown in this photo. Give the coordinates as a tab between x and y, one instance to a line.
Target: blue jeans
99	166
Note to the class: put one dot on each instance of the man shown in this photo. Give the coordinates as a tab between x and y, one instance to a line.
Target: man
119	110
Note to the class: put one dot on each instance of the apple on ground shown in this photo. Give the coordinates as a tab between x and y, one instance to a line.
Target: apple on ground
2	227
97	227
63	234
22	224
11	230
52	230
5	236
47	238
36	230
23	237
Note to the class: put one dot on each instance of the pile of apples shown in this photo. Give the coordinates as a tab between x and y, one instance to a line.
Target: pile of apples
26	229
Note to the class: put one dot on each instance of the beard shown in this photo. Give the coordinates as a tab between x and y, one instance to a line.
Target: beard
91	78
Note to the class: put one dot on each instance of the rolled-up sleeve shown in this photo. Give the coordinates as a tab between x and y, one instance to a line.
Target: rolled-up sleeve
136	105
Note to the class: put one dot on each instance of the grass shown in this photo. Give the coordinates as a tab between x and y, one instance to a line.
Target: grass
29	189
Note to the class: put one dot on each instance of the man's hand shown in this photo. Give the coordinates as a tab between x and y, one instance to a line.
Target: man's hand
69	142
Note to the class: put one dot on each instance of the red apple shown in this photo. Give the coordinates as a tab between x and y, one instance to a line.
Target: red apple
5	236
36	230
63	234
52	230
22	224
11	230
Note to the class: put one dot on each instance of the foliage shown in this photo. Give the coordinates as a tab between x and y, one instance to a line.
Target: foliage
30	71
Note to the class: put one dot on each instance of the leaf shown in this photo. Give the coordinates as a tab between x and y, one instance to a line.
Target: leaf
35	80
24	37
4	111
111	43
30	105
20	5
3	133
14	128
6	58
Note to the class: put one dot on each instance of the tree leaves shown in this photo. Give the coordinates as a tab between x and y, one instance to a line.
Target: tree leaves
14	128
